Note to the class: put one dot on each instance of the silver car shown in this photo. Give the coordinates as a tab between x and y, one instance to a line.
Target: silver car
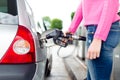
23	56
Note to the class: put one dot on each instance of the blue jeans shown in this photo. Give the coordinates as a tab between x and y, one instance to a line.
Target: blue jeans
101	68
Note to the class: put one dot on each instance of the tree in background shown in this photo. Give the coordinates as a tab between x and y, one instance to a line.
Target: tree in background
56	23
51	24
46	22
72	15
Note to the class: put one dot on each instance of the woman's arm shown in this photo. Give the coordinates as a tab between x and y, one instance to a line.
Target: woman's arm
76	19
109	12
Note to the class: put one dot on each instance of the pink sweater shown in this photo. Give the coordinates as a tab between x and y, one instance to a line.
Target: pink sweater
98	12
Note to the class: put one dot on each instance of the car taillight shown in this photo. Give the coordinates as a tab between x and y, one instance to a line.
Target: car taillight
22	49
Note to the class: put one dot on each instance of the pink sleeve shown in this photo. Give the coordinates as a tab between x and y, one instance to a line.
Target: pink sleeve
76	19
107	16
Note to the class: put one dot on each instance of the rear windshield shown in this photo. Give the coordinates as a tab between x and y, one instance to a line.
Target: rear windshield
8	12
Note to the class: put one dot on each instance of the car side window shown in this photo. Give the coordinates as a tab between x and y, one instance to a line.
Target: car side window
8	12
3	6
8	6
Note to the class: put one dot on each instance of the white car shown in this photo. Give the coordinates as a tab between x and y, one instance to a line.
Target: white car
23	55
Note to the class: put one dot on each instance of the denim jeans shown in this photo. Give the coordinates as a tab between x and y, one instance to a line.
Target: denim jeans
101	68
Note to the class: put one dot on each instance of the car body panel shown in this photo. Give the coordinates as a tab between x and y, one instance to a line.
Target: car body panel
17	72
7	34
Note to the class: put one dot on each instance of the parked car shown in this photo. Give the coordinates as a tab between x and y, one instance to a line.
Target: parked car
23	55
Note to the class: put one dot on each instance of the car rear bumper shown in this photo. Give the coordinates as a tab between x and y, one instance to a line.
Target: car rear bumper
17	72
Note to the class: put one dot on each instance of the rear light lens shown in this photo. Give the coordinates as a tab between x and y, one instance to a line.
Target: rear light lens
22	49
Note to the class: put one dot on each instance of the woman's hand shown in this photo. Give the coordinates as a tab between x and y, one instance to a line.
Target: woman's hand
67	32
94	49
